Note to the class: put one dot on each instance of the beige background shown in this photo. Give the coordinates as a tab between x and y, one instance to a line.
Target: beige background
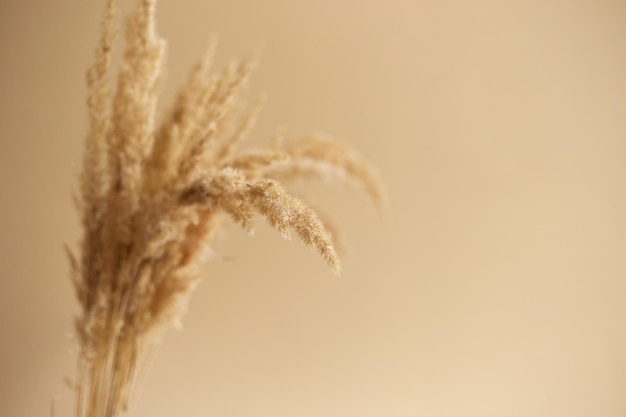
497	287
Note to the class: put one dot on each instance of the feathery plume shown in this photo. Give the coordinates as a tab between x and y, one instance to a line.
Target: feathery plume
152	196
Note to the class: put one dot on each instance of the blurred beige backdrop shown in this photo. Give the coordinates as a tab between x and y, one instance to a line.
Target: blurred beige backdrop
496	288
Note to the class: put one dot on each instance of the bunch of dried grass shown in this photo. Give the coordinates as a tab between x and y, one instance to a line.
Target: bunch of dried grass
151	197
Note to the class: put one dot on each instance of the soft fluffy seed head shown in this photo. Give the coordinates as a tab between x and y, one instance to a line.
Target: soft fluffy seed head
153	194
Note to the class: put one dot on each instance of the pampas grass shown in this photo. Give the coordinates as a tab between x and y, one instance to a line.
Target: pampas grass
152	194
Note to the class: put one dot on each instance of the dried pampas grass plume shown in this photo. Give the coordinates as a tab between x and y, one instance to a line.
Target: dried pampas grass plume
152	195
